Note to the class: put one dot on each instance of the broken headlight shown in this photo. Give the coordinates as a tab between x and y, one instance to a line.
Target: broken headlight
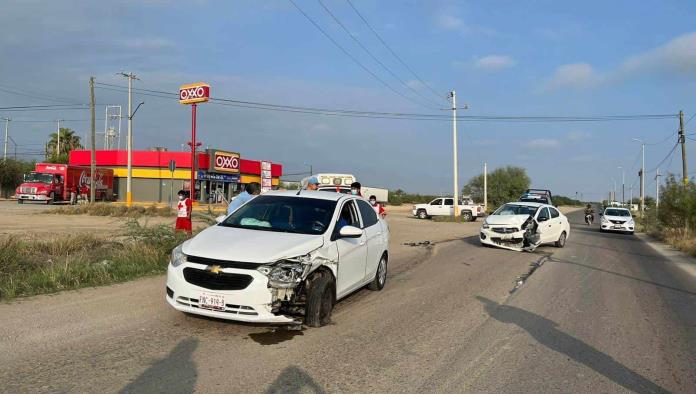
286	273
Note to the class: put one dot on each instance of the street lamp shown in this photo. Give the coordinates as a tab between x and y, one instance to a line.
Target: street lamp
642	176
623	185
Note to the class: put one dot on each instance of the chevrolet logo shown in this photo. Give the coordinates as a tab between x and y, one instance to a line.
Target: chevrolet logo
215	269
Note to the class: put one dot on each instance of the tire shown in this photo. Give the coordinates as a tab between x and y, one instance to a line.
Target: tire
422	214
51	199
380	279
473	218
20	201
466	216
320	301
561	240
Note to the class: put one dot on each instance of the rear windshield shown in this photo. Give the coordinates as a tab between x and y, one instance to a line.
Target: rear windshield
617	212
515	209
283	214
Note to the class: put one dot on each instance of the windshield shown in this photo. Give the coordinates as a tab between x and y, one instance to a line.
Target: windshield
38	177
515	209
617	212
283	214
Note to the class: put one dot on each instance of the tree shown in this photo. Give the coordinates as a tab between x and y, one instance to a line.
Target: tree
68	141
11	175
505	184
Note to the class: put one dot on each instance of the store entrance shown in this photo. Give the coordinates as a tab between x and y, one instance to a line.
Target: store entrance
219	192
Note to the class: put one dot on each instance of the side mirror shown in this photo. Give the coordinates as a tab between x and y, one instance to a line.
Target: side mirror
220	218
350	232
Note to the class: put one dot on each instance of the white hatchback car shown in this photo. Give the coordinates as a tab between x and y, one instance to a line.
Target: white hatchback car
511	226
617	219
279	257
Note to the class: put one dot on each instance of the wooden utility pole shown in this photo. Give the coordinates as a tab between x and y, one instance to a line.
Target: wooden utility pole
682	140
93	138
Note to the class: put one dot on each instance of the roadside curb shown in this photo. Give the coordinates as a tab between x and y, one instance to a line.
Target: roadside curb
682	260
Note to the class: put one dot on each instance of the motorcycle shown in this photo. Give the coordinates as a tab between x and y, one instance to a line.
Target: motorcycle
589	218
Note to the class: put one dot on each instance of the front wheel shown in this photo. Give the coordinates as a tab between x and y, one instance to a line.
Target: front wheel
561	240
50	200
320	301
422	214
380	276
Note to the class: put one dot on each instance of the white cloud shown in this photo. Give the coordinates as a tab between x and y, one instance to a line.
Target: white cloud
449	22
573	76
494	62
678	55
577	135
542	143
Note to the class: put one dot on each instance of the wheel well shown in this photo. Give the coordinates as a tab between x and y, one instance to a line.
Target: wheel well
386	255
323	271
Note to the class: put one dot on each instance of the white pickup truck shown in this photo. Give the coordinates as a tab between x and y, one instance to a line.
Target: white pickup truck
444	206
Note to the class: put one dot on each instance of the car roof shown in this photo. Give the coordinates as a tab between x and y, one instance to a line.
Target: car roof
318	194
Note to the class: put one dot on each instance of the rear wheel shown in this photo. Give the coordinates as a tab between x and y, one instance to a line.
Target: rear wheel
467	216
380	276
320	300
422	214
20	201
561	240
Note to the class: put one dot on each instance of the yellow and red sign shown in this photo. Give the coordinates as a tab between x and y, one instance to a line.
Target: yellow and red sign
193	93
224	162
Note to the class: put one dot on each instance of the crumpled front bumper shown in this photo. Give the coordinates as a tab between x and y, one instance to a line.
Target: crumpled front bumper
511	241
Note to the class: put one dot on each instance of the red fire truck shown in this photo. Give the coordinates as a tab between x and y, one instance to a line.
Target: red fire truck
50	182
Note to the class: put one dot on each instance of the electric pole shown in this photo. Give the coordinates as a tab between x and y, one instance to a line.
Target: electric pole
453	96
129	142
485	187
657	188
641	173
7	125
58	142
682	140
623	186
93	135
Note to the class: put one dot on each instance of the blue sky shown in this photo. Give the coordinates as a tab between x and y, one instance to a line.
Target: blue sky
502	58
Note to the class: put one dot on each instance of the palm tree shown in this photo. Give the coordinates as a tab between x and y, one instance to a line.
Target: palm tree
68	141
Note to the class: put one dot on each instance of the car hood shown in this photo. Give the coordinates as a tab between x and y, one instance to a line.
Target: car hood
251	246
508	220
618	218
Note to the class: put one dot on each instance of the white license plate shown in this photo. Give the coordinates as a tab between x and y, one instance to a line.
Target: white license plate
617	226
506	236
211	301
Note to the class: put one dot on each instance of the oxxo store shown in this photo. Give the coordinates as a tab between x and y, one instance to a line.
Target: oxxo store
219	173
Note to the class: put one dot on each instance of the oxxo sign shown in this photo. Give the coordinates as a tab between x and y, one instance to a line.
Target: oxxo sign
193	93
224	162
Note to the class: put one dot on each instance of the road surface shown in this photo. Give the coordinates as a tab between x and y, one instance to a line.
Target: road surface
608	313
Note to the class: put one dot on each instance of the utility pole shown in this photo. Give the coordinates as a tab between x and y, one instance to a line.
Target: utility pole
7	125
682	140
58	136
93	135
485	187
623	186
641	173
453	96
657	188
129	142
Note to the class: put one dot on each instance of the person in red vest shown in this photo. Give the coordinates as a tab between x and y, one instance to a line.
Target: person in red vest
183	212
379	209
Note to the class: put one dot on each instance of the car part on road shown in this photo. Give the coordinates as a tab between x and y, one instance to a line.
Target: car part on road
532	267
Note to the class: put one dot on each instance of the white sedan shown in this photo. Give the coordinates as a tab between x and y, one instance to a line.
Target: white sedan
617	219
280	257
524	226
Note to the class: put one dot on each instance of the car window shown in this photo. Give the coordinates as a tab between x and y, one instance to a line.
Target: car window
617	212
348	217
369	217
543	213
554	212
436	201
449	201
283	214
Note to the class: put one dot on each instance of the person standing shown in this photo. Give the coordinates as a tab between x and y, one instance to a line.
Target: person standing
183	212
379	208
251	190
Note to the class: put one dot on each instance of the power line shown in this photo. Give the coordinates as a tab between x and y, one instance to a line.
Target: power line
392	51
356	61
26	93
664	140
692	116
333	16
665	159
40	106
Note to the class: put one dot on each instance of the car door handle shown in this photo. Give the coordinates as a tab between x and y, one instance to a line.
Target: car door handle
362	243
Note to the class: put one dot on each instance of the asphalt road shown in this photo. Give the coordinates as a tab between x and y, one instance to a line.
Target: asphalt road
608	313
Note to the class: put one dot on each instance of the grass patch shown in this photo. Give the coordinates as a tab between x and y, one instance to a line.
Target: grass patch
39	265
106	209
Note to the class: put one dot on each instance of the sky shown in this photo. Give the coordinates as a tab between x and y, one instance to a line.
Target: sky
522	58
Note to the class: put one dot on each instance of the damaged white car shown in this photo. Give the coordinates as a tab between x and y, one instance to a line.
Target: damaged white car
281	257
524	226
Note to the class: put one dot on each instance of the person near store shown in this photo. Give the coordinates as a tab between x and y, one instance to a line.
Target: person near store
251	190
183	212
379	208
355	189
312	183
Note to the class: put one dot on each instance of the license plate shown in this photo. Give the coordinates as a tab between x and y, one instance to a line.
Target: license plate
617	226
211	301
506	236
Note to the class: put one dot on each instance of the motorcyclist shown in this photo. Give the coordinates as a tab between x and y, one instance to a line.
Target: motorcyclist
589	214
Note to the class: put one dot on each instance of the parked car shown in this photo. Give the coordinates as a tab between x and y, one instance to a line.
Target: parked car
281	257
524	226
445	207
617	220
